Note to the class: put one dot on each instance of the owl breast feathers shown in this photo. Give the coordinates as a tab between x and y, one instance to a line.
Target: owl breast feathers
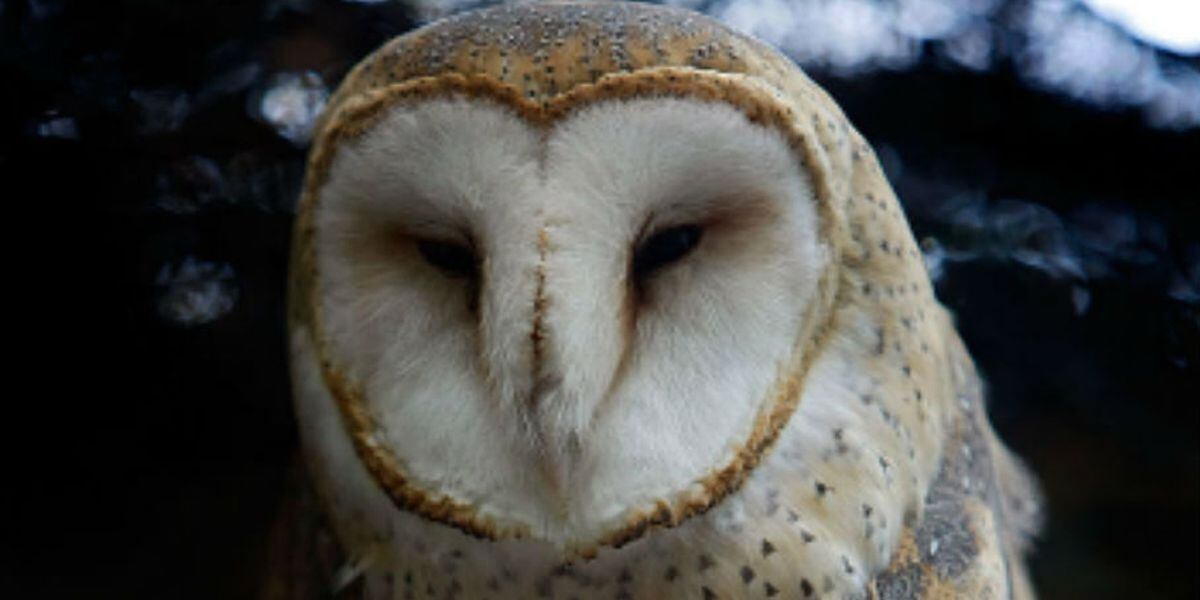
607	300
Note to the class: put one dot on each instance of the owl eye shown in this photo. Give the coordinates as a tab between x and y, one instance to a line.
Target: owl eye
664	248
455	260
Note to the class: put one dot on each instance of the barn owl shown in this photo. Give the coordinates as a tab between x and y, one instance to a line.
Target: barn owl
604	300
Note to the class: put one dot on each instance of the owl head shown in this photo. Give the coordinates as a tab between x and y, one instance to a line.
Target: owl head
561	270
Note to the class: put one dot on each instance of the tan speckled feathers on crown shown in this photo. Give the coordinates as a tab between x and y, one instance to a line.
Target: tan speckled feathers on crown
546	49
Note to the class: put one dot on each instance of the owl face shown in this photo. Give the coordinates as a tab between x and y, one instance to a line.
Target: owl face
609	281
555	326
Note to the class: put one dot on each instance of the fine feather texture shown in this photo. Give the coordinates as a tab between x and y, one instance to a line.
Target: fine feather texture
825	509
785	410
633	392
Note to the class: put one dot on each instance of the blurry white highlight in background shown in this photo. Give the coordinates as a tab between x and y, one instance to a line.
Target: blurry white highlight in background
1170	24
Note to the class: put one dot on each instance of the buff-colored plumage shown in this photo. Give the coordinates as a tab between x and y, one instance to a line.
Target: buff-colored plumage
866	468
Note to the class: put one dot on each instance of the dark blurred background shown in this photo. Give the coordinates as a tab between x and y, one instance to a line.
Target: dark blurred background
1047	152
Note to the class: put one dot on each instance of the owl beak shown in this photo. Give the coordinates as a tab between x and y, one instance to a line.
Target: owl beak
552	344
555	421
558	442
578	338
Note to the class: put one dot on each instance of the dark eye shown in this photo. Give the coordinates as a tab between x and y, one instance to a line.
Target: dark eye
455	260
664	248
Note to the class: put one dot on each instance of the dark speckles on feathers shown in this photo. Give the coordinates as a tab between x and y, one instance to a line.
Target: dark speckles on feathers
767	548
772	502
839	440
823	488
747	574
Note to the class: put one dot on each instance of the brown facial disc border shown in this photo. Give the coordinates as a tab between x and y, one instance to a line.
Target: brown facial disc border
360	114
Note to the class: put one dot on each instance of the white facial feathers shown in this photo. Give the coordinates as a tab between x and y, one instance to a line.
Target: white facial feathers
557	390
